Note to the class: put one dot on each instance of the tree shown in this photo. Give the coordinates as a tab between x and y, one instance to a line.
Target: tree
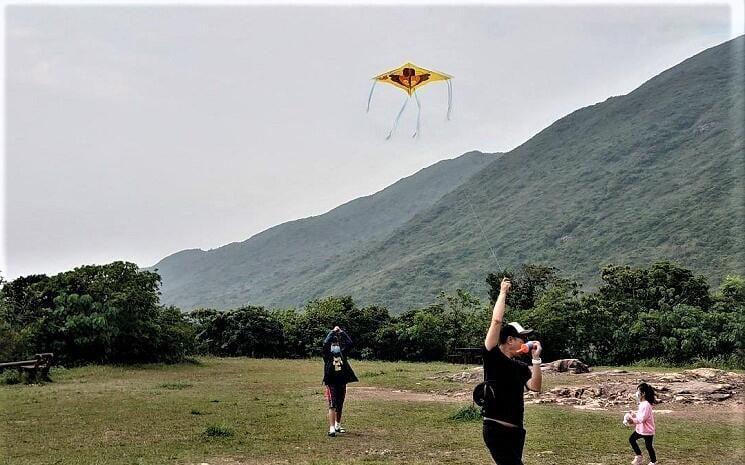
556	321
94	313
663	286
528	283
319	317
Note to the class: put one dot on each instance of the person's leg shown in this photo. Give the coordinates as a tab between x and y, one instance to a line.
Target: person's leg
332	417
341	391
520	440
504	445
637	451
650	448
332	410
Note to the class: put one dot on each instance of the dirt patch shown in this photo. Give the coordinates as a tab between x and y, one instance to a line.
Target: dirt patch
404	395
699	393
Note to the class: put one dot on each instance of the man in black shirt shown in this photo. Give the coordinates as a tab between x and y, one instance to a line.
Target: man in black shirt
504	382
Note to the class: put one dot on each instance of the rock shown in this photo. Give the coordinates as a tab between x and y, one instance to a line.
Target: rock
570	365
567	401
560	391
588	407
472	376
706	373
697	388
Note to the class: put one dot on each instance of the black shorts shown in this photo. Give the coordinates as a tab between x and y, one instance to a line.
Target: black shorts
335	393
505	443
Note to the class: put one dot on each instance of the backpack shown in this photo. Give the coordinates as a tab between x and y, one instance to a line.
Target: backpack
483	394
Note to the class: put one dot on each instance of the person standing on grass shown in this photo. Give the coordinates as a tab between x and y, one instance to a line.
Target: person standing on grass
505	381
643	419
336	374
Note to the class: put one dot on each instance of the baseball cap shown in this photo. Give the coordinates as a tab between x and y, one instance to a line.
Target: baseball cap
515	329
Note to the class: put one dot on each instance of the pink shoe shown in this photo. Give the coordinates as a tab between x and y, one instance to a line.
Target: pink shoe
638	460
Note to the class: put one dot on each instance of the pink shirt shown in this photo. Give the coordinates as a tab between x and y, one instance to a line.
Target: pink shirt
644	419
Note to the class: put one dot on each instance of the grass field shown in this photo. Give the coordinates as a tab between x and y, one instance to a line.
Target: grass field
247	411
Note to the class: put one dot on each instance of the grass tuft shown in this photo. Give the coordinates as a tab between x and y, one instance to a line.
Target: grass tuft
175	386
467	414
218	431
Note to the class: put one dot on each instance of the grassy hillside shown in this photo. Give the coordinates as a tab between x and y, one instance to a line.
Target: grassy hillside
268	267
658	173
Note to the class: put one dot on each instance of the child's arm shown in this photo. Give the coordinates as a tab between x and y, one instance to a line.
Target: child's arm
326	349
346	340
642	415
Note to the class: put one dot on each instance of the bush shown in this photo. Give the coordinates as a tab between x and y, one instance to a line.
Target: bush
11	377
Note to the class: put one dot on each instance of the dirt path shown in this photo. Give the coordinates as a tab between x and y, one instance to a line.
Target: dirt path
403	395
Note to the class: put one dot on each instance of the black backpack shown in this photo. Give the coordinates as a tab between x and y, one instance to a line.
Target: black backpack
484	394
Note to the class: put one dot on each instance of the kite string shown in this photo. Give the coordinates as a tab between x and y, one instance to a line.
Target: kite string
418	114
483	232
369	98
395	122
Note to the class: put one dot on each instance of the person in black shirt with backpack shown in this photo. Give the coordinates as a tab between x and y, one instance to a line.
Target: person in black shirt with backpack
505	379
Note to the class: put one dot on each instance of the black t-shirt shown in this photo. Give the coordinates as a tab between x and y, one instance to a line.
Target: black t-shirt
506	379
336	369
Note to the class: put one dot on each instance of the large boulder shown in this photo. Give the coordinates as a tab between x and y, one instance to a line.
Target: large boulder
566	365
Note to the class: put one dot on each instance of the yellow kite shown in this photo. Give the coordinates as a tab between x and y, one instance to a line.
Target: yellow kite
409	77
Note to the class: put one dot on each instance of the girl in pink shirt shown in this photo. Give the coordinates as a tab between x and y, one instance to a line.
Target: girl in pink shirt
644	421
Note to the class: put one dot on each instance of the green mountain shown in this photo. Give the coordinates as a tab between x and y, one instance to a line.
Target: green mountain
657	173
270	267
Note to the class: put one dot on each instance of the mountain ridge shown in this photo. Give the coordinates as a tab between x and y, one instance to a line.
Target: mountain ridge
657	173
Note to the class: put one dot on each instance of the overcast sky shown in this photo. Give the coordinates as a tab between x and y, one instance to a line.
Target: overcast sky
133	132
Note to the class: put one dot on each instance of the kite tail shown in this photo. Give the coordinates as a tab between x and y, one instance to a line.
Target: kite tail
369	98
450	98
418	114
395	122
